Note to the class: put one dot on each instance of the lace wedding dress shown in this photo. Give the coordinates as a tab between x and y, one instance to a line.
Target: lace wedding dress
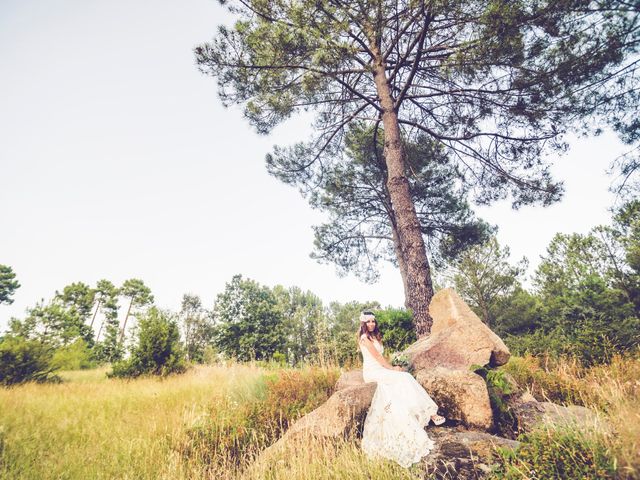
400	409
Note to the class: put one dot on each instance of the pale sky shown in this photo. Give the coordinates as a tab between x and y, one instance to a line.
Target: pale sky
117	161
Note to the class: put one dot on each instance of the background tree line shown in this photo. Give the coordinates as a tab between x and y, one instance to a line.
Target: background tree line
584	301
84	326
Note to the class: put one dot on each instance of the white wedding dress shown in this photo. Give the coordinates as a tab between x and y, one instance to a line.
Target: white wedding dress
400	409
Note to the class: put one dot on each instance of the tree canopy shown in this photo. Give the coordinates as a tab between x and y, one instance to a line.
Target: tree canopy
496	84
483	274
8	284
362	228
247	321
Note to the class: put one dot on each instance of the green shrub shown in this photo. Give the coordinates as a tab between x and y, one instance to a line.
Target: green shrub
541	343
398	331
557	454
23	360
75	356
279	358
157	351
500	388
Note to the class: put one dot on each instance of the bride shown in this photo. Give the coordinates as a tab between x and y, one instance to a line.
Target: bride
400	409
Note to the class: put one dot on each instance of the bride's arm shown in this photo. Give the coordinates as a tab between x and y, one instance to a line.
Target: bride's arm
368	344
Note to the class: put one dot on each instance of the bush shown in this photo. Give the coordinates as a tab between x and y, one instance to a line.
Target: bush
500	388
398	331
158	350
545	454
540	343
23	360
75	356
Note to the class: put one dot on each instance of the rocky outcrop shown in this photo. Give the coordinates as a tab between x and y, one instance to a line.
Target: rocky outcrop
458	340
463	454
442	365
530	415
442	361
351	378
342	414
462	396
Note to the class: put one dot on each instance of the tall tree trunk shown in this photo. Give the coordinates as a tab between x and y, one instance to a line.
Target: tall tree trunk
125	320
99	330
419	289
95	313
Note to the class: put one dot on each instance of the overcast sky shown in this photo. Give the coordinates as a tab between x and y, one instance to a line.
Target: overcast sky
117	161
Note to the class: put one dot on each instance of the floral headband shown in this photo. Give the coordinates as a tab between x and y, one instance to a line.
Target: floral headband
366	316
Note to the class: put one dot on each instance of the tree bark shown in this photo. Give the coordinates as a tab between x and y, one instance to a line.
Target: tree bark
418	287
95	313
99	330
125	321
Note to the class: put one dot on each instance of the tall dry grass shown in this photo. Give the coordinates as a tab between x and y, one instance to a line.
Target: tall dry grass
214	421
612	390
93	427
210	423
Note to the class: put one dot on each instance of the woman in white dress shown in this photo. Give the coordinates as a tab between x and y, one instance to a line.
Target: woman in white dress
400	409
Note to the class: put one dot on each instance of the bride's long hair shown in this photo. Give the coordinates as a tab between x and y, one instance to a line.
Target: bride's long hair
365	331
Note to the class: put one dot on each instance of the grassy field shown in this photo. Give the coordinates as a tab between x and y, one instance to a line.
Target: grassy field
94	427
213	421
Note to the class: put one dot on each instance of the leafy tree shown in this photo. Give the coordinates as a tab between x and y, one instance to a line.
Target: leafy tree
52	324
139	295
248	322
621	244
580	299
518	313
482	275
8	284
397	329
569	260
496	84
197	327
157	350
105	292
78	299
303	320
110	349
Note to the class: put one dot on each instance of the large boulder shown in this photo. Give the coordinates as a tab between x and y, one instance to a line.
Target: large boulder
352	378
461	395
463	454
458	340
342	414
530	414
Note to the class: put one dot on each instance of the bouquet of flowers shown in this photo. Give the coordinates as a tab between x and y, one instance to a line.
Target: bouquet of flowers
399	359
